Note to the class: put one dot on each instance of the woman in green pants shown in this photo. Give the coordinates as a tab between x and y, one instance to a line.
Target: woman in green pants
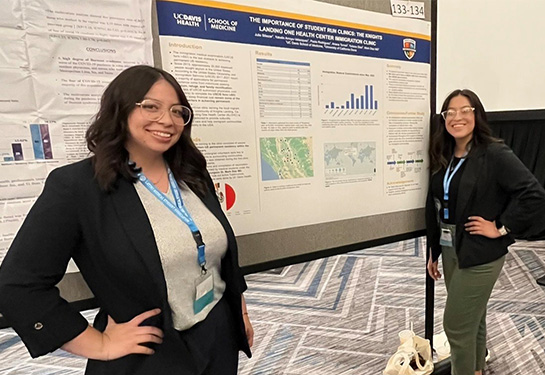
480	195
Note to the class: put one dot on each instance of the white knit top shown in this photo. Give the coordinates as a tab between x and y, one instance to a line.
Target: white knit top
178	252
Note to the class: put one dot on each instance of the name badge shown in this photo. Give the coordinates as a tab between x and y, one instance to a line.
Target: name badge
204	292
446	238
448	235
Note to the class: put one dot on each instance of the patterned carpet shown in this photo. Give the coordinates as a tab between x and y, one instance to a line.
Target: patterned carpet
341	315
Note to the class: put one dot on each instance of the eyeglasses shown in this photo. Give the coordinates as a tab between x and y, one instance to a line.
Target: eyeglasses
449	114
154	111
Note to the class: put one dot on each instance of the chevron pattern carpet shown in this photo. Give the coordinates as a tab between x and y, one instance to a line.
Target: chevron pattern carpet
341	315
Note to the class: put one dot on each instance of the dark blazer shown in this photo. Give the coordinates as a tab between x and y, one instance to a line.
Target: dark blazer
495	185
111	240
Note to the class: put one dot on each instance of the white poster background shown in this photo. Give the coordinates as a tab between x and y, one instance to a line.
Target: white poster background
218	76
56	58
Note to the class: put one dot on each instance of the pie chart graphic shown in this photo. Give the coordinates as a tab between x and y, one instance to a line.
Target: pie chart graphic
230	196
226	195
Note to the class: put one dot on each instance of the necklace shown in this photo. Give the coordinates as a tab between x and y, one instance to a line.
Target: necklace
160	178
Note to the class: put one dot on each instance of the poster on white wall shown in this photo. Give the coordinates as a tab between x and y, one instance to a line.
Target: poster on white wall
303	117
56	58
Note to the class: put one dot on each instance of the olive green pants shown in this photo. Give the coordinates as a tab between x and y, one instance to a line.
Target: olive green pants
464	320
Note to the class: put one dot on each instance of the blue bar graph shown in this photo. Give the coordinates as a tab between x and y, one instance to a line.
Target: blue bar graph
357	101
37	144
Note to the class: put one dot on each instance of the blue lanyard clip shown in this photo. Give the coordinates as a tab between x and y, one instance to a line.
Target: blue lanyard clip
200	250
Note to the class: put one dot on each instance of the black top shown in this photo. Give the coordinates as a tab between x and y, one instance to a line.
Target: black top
438	191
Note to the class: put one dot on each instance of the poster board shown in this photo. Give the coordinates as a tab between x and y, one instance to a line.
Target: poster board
313	119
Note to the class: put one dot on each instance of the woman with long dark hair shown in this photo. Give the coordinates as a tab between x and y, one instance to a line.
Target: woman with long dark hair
480	195
141	220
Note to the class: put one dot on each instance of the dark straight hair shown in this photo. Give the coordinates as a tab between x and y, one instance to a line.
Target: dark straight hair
108	133
442	143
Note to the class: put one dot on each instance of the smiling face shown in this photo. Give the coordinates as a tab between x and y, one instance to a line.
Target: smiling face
149	138
461	126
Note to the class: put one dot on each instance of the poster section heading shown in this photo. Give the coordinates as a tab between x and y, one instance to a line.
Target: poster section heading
179	19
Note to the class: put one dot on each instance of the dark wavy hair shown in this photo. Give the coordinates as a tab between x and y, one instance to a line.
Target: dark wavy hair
442	143
107	135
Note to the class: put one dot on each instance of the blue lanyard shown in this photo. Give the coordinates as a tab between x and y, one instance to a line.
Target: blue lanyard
178	210
446	184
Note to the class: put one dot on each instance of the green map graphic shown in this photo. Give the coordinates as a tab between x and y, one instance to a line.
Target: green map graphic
286	158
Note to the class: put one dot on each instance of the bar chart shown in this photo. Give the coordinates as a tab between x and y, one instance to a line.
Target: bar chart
349	96
41	141
27	142
362	100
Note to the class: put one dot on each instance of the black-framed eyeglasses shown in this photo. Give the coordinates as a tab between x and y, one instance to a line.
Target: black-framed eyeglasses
451	113
154	111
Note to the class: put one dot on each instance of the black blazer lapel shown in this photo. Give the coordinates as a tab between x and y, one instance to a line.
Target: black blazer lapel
468	183
210	202
137	227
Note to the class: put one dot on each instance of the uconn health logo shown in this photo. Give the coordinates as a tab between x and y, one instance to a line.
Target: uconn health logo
187	19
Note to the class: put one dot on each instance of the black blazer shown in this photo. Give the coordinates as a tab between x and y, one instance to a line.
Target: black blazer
497	186
111	240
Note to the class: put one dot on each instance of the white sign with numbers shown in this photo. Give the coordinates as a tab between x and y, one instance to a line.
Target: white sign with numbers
407	8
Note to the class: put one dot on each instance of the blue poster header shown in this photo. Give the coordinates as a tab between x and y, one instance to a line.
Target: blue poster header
194	21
